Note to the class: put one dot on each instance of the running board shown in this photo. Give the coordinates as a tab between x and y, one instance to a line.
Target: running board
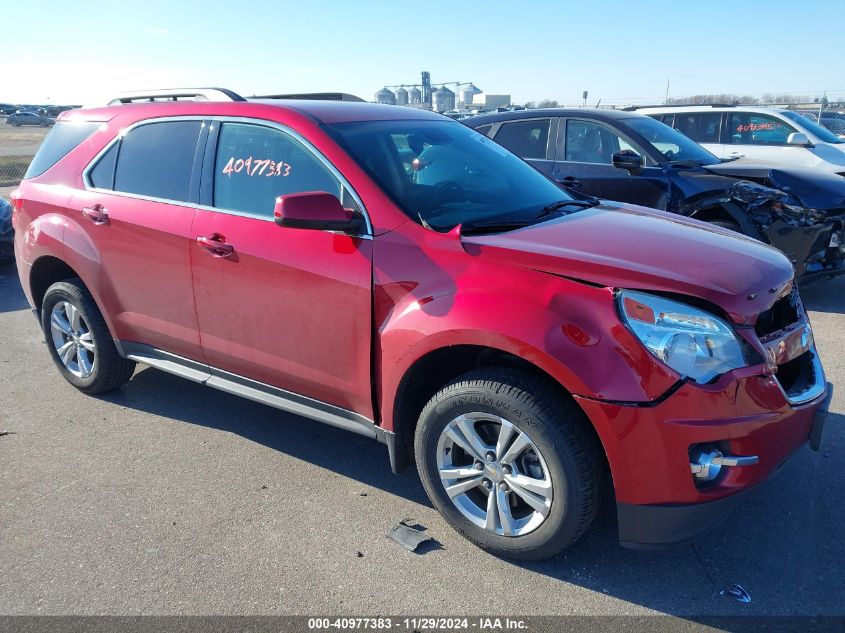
254	390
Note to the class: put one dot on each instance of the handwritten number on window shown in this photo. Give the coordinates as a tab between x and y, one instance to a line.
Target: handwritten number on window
256	167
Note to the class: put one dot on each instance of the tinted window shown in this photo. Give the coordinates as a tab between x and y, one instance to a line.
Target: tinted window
758	129
57	144
102	176
156	160
256	164
674	146
484	129
702	127
527	139
588	142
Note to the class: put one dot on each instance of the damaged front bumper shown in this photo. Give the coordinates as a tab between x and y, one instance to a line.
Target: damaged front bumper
814	240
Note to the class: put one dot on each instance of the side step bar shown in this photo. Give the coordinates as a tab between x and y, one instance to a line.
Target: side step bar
259	392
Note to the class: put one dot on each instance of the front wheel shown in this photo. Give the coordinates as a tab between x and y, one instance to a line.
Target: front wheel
510	463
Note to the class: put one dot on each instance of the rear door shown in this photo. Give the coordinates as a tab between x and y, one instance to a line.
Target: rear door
291	308
584	162
705	128
137	209
530	139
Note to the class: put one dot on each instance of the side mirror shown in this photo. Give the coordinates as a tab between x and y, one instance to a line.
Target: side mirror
627	159
798	138
315	210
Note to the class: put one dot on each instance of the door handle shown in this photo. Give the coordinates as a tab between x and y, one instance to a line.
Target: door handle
216	245
97	214
570	181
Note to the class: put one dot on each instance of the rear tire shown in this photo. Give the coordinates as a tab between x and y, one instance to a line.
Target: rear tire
79	340
549	451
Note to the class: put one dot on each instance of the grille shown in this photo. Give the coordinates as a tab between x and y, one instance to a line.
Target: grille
784	312
796	376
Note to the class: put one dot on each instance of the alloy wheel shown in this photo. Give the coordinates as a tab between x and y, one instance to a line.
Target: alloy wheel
494	474
72	339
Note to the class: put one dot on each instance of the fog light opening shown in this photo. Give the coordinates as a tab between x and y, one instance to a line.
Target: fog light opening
707	462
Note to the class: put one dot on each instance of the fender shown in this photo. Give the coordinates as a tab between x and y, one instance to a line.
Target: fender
569	330
698	207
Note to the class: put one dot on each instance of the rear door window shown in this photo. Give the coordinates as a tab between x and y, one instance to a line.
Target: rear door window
701	127
255	164
526	139
757	129
60	140
156	160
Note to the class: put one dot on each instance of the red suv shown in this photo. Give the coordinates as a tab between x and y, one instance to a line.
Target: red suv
392	272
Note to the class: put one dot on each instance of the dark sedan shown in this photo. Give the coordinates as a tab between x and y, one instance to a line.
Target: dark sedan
7	233
633	158
28	118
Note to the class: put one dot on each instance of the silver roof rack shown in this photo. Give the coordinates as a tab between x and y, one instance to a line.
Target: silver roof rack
176	94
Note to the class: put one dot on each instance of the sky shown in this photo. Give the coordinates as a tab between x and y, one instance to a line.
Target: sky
619	51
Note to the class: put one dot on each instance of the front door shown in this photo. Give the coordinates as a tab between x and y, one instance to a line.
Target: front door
584	162
287	307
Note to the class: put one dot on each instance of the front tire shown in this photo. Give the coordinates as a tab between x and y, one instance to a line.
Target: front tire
79	340
510	463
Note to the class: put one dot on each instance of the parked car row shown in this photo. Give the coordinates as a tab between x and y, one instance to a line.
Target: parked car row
626	156
20	119
395	273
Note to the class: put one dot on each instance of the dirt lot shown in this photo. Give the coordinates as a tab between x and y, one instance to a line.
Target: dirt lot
20	141
166	497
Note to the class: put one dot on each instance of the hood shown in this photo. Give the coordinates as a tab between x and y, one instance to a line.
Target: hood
813	188
624	246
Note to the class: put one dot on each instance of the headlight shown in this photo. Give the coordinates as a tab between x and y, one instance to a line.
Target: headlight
694	343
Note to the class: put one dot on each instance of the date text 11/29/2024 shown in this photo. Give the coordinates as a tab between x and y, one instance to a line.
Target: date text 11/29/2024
480	623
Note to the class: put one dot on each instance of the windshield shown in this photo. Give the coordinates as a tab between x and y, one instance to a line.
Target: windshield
822	133
442	173
674	146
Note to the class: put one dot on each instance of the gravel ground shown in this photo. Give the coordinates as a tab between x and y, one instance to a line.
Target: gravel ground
166	497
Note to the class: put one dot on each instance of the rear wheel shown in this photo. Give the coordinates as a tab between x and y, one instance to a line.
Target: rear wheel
79	340
510	463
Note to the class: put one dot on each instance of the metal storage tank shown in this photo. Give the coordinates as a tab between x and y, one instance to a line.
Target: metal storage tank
386	96
443	99
467	92
414	95
401	96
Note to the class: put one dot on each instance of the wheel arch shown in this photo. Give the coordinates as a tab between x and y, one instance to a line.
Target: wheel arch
438	367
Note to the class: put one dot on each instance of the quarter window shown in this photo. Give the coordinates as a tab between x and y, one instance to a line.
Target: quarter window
255	164
758	129
60	141
156	160
526	139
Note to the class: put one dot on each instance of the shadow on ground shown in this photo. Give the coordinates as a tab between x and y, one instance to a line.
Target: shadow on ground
784	546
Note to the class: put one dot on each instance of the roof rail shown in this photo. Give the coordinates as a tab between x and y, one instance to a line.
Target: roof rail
316	96
176	94
681	105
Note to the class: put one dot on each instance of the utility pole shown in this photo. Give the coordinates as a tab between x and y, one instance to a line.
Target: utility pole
666	100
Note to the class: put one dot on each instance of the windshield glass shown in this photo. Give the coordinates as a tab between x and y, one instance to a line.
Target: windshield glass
442	173
674	146
822	133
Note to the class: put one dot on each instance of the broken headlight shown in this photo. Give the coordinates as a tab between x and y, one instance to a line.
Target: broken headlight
695	343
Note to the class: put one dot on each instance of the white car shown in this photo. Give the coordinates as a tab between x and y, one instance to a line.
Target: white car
763	135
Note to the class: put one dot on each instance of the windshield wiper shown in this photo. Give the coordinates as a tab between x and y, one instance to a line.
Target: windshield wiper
560	204
495	226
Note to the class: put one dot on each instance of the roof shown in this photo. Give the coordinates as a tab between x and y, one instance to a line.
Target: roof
318	111
593	113
708	108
